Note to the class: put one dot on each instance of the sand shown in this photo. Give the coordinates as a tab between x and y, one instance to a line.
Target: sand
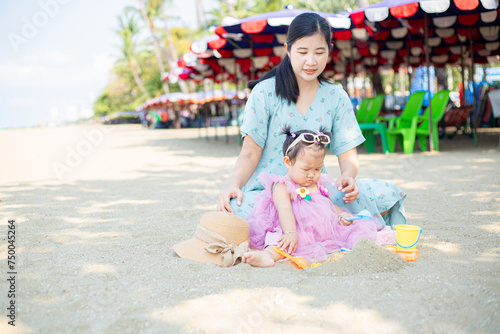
365	257
98	208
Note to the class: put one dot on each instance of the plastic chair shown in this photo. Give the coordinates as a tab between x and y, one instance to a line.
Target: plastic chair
369	127
439	103
400	126
374	108
363	109
419	125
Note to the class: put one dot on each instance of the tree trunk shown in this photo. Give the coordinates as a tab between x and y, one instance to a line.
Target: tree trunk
171	46
199	9
134	67
156	42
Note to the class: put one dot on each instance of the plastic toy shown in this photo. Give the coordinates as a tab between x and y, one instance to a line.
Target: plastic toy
410	255
298	260
363	214
407	237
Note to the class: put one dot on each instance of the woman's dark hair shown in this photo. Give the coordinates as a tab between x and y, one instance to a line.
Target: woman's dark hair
303	25
291	136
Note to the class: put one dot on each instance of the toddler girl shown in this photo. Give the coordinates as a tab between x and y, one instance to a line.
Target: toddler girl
295	213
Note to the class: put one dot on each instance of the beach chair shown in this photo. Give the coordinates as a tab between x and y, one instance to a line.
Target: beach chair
398	125
419	125
369	127
439	105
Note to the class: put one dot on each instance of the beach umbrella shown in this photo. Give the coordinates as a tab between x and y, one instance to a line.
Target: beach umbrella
436	29
272	23
238	57
271	28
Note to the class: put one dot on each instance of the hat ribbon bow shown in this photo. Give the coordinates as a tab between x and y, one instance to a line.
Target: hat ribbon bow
217	244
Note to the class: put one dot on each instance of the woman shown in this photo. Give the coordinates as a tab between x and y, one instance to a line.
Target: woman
296	94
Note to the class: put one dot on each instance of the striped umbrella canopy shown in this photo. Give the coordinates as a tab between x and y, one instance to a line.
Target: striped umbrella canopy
273	23
390	33
237	57
264	35
184	99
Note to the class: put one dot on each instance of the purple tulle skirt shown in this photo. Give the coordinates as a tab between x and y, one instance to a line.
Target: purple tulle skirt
318	228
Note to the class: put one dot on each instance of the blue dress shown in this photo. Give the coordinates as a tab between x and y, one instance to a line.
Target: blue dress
265	117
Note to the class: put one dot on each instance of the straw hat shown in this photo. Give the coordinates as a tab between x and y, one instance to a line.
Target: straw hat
220	238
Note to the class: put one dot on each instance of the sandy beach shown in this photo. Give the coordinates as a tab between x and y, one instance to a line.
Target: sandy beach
97	209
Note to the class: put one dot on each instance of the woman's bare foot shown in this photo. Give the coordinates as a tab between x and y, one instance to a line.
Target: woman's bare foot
258	258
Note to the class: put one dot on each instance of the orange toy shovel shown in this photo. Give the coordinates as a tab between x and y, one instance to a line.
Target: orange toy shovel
409	256
298	260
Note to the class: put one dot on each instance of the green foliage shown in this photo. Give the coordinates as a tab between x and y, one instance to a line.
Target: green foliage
122	92
182	38
327	6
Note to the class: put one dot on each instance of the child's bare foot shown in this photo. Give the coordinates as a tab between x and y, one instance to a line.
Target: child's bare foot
258	258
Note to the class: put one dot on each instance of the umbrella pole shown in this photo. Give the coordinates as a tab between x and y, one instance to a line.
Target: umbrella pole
408	61
252	68
372	77
213	107
224	104
352	72
237	78
206	106
475	110
431	143
463	101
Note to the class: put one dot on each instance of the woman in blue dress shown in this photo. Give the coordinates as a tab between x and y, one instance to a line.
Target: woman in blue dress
296	94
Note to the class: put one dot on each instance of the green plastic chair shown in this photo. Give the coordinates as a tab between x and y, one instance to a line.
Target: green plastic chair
370	128
374	108
419	125
363	109
399	126
439	103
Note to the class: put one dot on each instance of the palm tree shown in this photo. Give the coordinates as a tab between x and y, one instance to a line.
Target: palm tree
239	9
327	6
128	31
148	12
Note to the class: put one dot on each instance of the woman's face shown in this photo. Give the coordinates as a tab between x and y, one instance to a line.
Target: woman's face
308	56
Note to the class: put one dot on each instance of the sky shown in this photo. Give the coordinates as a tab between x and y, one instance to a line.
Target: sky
56	56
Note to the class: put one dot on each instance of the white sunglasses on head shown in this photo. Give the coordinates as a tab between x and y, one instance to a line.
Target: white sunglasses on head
320	138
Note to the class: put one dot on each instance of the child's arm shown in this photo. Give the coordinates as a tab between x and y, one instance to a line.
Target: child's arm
342	215
282	202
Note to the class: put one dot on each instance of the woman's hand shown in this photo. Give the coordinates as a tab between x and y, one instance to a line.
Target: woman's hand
289	240
224	199
243	169
349	167
348	185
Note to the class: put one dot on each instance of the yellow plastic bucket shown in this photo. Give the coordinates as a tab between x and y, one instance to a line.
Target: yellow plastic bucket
407	236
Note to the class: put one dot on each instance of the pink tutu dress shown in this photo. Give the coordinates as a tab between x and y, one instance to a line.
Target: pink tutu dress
318	228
